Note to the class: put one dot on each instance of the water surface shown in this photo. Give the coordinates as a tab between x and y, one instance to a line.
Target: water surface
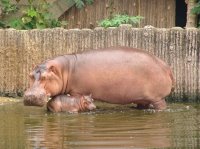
110	126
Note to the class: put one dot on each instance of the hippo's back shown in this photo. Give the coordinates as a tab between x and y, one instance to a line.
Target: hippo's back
120	75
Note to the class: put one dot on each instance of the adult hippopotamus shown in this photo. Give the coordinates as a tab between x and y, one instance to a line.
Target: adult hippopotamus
117	75
65	103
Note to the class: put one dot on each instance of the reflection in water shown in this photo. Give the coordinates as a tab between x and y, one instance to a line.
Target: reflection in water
107	127
186	128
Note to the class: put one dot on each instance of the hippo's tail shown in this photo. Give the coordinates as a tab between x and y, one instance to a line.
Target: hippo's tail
173	80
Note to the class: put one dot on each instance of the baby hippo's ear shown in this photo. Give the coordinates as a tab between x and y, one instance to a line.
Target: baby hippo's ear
89	98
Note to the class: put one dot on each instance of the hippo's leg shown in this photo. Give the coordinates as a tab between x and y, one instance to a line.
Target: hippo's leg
160	105
143	106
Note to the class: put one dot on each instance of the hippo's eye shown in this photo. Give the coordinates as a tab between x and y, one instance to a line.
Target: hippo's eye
43	77
88	102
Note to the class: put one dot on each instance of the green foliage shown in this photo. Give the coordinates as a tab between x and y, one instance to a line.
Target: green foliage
196	10
2	24
35	16
81	3
7	7
117	20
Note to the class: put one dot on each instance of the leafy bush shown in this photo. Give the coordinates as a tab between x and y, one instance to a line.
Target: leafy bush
117	20
81	3
196	10
7	7
36	17
33	17
2	24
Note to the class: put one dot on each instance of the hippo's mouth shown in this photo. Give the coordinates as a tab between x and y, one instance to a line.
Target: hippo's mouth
35	98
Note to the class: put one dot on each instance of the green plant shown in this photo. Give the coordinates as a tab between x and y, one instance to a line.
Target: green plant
196	10
2	24
36	16
7	7
117	20
81	3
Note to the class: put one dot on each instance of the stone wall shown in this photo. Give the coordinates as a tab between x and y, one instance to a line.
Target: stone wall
21	50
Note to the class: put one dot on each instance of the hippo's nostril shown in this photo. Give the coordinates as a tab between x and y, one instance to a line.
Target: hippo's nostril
34	99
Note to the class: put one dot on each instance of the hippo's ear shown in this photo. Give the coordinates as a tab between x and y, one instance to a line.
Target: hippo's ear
90	95
52	69
34	66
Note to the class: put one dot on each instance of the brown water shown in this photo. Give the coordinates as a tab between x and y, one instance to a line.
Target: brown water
116	127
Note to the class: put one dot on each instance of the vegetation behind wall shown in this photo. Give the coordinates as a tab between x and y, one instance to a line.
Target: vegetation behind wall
158	13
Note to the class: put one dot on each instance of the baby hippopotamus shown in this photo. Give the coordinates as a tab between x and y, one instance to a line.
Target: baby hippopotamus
66	103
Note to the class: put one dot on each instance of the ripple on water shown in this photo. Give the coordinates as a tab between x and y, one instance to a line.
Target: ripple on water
107	127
